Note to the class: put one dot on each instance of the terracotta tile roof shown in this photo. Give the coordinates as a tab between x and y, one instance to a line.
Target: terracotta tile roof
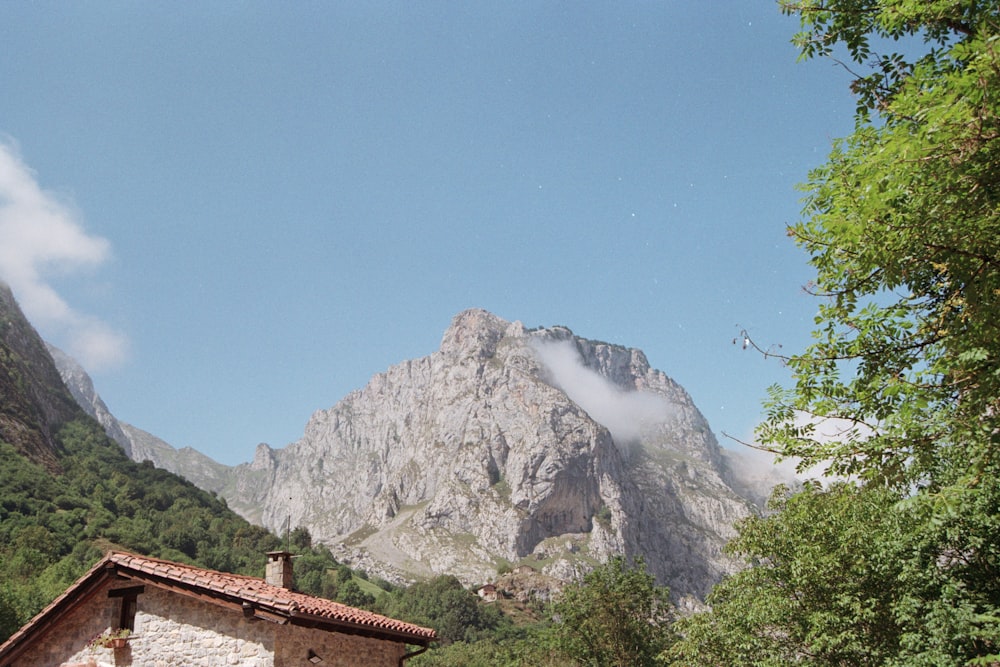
253	596
263	595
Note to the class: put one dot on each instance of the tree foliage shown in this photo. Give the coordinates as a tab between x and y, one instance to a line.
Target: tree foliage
616	616
445	605
819	590
854	575
902	227
528	648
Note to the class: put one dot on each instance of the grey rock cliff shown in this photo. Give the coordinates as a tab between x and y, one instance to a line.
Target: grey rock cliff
82	388
507	446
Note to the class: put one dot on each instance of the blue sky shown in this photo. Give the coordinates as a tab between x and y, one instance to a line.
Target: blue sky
234	213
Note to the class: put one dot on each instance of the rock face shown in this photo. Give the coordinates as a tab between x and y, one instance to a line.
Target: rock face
33	401
82	388
139	445
505	447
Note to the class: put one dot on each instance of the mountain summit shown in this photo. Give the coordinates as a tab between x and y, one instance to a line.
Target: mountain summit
507	446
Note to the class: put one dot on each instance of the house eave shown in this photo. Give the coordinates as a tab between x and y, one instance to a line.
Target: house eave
274	614
346	627
79	593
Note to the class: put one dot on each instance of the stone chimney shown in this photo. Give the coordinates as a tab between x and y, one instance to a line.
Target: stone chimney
279	569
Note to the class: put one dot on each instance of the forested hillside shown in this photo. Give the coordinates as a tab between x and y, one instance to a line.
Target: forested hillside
68	494
53	526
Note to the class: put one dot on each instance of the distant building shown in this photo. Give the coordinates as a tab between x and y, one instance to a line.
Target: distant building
488	593
184	615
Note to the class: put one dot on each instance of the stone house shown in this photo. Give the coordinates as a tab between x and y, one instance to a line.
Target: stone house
184	615
488	593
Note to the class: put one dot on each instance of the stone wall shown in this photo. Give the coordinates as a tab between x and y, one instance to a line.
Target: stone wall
336	649
173	630
67	641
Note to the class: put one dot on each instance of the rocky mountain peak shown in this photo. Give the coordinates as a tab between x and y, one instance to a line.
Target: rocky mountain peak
508	446
263	458
474	334
532	450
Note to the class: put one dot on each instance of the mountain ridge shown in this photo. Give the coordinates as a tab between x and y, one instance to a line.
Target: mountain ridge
505	446
68	492
491	462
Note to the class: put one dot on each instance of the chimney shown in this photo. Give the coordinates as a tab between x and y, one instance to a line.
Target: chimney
279	569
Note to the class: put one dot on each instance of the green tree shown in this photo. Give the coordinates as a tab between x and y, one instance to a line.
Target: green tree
902	227
445	605
350	593
300	538
531	650
819	590
10	621
616	616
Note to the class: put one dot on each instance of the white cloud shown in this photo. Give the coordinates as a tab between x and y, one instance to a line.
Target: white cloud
825	429
42	237
759	464
756	472
624	413
97	345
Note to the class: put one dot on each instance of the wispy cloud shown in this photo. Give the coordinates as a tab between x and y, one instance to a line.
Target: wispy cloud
42	237
624	413
750	464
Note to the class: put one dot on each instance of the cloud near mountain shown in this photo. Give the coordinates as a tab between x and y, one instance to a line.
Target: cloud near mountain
42	237
624	413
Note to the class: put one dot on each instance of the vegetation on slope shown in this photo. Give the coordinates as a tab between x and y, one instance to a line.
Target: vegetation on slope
614	617
54	526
